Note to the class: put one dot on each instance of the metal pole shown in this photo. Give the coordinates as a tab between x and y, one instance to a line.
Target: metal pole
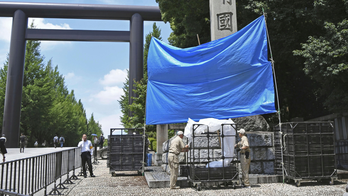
135	53
15	74
277	95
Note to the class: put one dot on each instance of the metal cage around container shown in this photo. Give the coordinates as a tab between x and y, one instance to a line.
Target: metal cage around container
309	151
127	150
200	173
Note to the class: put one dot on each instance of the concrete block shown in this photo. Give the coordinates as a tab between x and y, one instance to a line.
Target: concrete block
256	168
263	179
270	153
260	138
162	180
259	154
201	155
268	167
253	179
202	142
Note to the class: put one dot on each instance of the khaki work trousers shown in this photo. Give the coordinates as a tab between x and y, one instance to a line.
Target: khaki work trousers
245	164
173	161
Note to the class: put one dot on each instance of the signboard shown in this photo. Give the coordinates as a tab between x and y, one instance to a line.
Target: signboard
223	18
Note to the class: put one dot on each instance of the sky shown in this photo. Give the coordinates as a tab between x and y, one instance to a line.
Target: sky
94	70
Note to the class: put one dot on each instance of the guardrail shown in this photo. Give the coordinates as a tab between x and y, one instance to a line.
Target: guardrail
30	175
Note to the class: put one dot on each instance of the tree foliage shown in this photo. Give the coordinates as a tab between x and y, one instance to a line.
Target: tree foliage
326	59
290	24
48	108
187	19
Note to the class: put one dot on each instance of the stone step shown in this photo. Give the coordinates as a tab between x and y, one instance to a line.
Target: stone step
155	178
162	180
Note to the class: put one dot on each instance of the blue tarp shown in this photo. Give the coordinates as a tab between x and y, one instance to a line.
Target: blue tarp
226	78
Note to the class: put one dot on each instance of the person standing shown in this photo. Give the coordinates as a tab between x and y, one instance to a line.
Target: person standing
101	141
86	147
95	140
22	141
61	140
176	146
3	147
244	157
55	141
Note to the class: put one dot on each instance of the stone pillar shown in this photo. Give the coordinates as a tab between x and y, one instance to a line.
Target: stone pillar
162	136
15	75
223	18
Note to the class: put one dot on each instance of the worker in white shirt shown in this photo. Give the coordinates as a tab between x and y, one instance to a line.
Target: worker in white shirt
86	152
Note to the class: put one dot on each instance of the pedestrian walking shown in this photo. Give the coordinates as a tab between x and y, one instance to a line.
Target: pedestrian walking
101	141
3	147
61	140
244	157
22	142
55	141
86	147
176	146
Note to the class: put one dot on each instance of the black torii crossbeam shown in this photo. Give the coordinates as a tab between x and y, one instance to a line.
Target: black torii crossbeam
20	34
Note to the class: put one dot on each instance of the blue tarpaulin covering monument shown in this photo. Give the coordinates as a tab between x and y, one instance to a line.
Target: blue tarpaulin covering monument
226	78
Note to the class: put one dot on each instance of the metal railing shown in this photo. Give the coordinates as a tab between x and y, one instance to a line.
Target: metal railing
30	175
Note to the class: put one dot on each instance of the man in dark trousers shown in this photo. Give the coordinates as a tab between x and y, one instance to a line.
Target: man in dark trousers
22	141
86	147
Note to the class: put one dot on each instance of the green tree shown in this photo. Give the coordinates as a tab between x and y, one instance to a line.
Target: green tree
48	108
187	19
124	104
291	23
93	127
327	63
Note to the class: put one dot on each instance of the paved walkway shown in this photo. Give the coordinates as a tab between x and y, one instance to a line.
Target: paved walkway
13	153
104	184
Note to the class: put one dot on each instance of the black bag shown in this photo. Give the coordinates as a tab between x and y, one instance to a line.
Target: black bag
247	155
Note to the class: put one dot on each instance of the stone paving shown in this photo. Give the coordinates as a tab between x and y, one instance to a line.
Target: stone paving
104	184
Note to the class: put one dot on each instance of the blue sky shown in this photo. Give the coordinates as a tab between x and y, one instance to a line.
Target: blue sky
94	70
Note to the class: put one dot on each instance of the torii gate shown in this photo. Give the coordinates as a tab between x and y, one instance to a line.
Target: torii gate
20	34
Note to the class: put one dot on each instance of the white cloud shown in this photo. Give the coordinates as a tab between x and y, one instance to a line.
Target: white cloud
40	23
5	29
111	121
110	95
72	79
115	76
69	75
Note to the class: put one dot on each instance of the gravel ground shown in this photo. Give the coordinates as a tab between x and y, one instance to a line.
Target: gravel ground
104	184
